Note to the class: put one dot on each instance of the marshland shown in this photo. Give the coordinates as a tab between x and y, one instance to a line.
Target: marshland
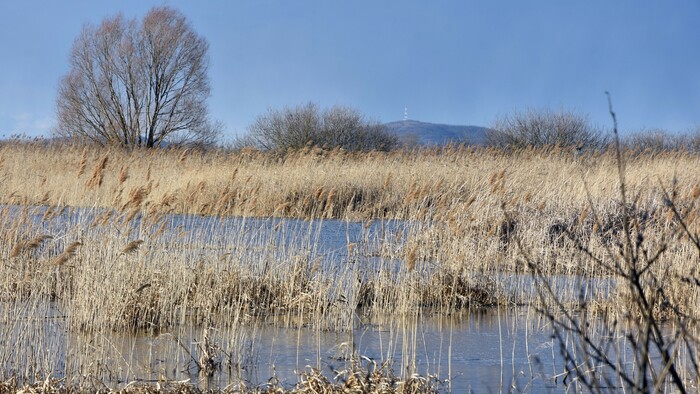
412	269
175	217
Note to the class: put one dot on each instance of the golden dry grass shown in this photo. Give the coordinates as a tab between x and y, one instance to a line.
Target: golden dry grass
460	196
317	183
468	206
105	248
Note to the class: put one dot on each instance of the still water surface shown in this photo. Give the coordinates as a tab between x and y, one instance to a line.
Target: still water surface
490	350
485	350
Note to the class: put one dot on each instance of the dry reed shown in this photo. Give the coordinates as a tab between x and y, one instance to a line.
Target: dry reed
399	185
453	250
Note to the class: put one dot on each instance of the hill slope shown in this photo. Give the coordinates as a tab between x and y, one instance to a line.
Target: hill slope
423	133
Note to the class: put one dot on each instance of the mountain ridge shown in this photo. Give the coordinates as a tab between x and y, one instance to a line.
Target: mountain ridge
414	132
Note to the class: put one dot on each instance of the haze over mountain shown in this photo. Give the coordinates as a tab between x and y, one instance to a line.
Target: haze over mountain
424	133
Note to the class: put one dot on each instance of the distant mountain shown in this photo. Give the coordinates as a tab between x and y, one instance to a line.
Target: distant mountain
423	133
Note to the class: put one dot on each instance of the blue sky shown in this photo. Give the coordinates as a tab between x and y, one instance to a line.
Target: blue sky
455	62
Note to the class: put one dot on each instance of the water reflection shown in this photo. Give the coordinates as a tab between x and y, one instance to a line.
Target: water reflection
487	350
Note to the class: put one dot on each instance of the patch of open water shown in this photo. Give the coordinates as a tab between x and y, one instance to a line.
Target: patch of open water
486	350
490	350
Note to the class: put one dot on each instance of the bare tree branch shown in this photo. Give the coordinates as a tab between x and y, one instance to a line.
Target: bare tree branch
137	83
337	127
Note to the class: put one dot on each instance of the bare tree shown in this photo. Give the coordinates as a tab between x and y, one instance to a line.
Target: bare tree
137	83
337	127
537	128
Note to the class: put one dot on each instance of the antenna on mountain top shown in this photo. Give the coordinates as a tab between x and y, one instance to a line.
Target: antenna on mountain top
405	114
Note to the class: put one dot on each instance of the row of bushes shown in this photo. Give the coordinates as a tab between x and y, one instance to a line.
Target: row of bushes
294	128
344	127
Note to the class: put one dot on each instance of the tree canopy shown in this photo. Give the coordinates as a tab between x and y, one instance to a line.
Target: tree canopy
137	83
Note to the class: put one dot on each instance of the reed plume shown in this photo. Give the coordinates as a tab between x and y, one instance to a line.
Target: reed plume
67	254
132	246
411	257
83	162
28	245
98	173
137	196
123	174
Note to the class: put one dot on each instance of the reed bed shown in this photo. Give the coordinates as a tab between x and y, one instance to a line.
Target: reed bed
73	278
104	241
449	183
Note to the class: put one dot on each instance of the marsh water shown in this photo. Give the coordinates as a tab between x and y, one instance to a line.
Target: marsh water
485	350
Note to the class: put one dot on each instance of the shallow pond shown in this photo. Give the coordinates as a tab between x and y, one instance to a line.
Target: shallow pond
484	350
488	350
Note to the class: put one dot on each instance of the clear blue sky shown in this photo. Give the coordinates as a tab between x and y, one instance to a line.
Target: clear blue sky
455	62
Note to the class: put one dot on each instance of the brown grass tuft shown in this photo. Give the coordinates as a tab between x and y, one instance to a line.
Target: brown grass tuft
67	254
28	245
132	246
98	173
183	155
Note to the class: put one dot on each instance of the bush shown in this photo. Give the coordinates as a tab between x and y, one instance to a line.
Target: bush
538	128
337	127
652	140
658	140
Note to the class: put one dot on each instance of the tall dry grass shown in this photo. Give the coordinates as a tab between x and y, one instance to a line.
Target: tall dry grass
454	199
74	273
437	183
91	236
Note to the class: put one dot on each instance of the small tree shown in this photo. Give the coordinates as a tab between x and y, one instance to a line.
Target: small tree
137	83
337	127
537	128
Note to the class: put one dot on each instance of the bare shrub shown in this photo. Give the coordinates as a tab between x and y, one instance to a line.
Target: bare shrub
653	322
304	125
540	128
655	140
692	140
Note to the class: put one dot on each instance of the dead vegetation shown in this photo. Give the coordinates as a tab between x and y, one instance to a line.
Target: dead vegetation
313	183
109	252
362	376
